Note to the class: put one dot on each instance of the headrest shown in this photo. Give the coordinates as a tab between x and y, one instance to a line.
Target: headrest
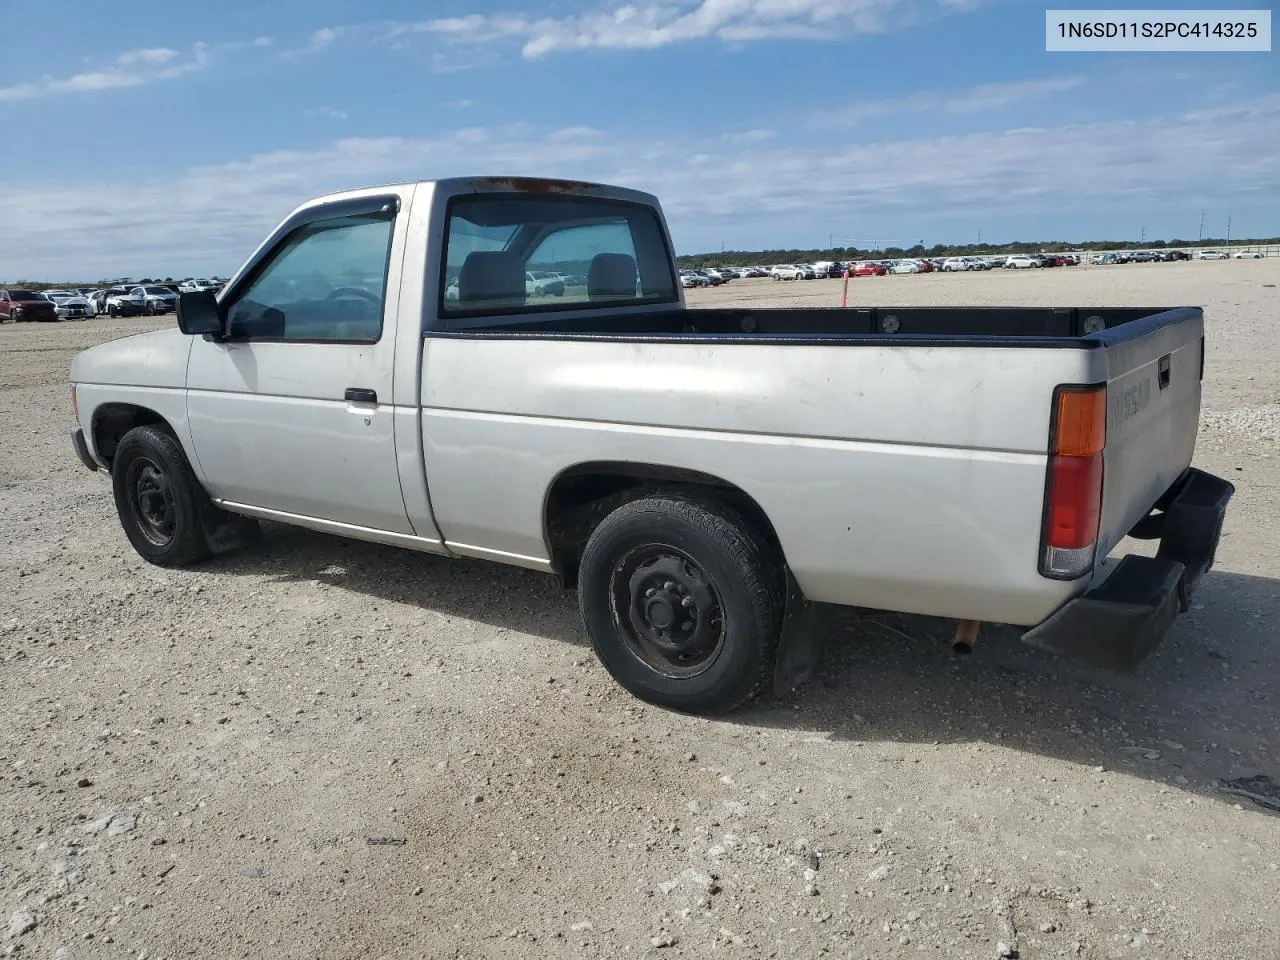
491	275
611	275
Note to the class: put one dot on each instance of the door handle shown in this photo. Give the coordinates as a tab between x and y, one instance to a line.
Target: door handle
361	395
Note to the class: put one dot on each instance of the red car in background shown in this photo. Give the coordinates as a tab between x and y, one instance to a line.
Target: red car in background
867	270
18	305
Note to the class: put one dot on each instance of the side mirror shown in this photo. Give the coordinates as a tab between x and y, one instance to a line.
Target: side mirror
198	314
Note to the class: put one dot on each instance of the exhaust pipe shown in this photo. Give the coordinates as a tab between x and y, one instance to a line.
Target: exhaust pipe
966	637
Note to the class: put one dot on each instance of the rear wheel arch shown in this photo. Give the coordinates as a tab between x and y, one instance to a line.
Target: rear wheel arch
582	495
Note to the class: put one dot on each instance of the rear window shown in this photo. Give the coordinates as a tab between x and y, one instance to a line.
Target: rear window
25	295
518	254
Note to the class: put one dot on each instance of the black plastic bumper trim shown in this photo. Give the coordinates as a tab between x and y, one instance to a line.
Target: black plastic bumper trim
82	450
1117	623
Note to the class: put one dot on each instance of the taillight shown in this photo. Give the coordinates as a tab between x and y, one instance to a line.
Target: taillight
1073	499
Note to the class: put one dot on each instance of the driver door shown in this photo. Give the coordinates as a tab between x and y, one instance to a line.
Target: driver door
291	412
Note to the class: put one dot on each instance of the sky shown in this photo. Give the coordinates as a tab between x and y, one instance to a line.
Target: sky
146	138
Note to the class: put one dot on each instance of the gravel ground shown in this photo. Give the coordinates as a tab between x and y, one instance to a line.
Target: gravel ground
326	748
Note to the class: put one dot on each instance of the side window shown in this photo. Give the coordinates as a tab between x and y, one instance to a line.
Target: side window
326	281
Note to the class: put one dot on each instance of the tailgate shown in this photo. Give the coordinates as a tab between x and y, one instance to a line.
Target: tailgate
1154	367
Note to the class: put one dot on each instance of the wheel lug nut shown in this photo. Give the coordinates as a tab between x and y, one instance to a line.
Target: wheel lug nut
669	585
687	601
687	625
651	591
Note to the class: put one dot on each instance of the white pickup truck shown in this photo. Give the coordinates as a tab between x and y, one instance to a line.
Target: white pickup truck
701	476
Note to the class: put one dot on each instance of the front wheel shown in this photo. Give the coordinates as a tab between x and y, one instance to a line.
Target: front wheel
683	603
158	498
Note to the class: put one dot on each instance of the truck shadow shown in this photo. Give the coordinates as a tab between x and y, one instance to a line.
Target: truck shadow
1203	709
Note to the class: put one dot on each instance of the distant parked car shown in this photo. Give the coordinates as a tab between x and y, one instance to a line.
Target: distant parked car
153	300
198	286
70	305
827	268
25	305
690	279
543	284
1247	255
868	270
116	302
1211	255
792	271
957	265
1022	261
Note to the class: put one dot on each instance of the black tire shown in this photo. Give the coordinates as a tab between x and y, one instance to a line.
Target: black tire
111	310
662	559
158	499
149	310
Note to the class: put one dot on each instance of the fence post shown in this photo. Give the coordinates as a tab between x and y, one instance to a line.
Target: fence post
844	297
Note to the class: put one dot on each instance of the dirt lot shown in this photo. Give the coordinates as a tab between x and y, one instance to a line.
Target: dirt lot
330	749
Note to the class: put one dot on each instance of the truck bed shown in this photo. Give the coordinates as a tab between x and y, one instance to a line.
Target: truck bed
858	456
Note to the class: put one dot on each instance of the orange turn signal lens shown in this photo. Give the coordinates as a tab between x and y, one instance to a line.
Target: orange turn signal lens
1081	427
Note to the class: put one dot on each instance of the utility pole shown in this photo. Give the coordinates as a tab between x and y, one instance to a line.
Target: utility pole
979	236
1143	240
1202	216
831	241
1228	231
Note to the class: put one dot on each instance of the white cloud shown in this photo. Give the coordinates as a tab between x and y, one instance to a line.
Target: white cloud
758	135
657	23
209	218
323	38
132	68
988	96
329	113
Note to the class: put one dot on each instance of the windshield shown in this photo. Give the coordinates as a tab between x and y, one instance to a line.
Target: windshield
158	291
25	295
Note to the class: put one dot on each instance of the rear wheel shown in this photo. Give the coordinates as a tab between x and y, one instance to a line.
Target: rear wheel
158	498
682	602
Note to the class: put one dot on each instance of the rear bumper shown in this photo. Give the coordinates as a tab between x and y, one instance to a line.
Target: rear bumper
1120	620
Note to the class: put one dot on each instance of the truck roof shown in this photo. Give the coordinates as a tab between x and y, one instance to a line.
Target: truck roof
545	186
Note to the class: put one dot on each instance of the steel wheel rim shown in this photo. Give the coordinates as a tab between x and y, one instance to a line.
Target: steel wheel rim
667	610
151	501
